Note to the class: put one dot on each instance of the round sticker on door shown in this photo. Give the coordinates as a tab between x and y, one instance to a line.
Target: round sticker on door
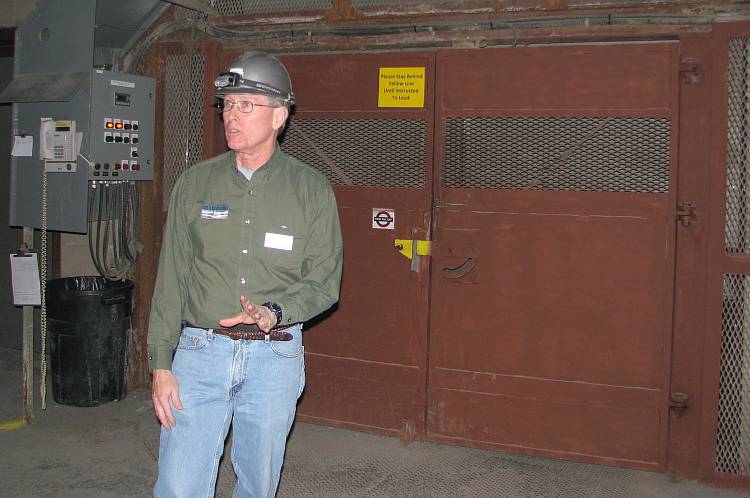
383	219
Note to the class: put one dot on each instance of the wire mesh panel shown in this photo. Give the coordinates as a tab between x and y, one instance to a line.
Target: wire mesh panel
185	13
737	223
581	154
183	116
733	429
362	152
243	7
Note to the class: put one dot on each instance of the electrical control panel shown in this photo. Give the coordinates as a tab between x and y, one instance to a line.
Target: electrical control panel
88	126
121	130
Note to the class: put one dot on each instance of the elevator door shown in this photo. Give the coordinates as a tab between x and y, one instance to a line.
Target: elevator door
366	361
552	269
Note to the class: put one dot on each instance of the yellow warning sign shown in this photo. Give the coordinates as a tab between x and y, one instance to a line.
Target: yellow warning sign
401	87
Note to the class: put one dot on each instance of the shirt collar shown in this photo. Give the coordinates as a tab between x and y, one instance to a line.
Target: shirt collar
261	173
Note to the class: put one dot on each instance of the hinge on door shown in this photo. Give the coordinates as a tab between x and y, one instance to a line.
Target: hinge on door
678	403
686	213
690	70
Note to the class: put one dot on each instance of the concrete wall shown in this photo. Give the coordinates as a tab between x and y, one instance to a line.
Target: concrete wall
10	238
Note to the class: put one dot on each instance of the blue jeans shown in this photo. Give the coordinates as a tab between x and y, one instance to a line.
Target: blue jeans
253	385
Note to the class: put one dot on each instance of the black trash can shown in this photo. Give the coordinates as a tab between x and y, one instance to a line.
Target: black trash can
88	319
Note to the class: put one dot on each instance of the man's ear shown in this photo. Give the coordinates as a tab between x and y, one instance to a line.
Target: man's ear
279	117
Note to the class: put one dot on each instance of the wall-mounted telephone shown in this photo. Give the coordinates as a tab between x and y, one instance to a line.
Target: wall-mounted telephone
57	140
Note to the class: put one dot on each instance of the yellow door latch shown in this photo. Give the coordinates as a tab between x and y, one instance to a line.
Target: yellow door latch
410	248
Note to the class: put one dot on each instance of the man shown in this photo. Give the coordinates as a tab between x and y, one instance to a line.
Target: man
252	248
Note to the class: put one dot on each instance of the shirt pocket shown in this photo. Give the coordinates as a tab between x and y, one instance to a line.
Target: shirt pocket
210	230
281	246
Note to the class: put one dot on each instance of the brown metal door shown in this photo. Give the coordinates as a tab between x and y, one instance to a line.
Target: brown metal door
366	363
552	270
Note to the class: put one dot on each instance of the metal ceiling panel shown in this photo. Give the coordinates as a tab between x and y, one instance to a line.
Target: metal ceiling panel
117	21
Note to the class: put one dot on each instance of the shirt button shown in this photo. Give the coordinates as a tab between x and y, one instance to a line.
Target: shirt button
251	192
242	281
247	222
244	251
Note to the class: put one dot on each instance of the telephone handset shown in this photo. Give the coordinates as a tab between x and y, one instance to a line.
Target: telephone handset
57	140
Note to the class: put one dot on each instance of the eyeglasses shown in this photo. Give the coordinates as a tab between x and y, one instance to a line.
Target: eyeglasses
245	106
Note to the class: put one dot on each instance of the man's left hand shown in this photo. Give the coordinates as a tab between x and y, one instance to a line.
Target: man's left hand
251	313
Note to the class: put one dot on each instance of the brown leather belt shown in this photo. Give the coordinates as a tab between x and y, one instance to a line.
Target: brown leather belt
253	333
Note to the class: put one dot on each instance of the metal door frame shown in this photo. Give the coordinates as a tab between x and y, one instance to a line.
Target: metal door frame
700	257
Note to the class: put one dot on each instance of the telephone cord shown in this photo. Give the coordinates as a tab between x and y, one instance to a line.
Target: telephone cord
43	279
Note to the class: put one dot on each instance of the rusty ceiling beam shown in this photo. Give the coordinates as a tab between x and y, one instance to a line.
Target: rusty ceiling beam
338	31
342	12
472	39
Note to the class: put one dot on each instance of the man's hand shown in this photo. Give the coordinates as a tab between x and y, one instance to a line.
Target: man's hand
164	389
251	313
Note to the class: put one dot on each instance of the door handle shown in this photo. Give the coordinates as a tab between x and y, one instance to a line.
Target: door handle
461	270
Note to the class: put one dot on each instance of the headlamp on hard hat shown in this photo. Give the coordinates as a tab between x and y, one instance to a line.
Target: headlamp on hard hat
227	80
235	81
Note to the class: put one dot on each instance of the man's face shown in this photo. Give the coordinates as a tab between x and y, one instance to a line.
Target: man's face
252	132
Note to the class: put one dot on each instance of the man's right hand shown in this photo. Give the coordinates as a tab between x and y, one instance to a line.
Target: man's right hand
164	389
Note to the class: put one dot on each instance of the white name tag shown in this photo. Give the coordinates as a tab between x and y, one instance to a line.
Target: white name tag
278	241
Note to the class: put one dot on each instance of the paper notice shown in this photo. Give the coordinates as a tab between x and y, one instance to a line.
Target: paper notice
25	277
22	145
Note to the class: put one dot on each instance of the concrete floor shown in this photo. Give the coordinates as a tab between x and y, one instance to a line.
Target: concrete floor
110	451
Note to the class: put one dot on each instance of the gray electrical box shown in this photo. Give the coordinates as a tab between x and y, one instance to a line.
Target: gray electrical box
74	123
112	114
121	129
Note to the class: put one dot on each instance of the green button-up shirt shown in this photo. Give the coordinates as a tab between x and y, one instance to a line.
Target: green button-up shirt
274	238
